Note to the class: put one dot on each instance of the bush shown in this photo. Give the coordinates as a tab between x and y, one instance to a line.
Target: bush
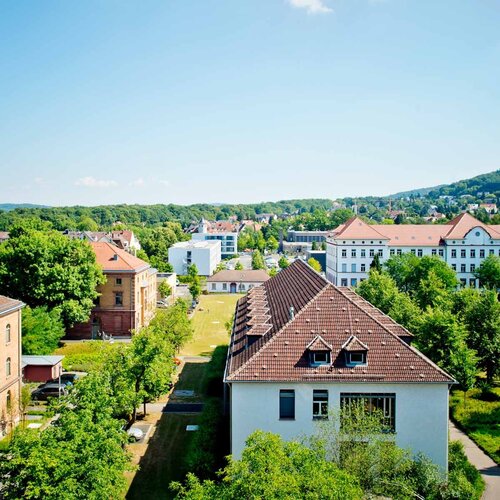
215	372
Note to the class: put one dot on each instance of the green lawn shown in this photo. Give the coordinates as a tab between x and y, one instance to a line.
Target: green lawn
479	418
162	463
208	323
84	356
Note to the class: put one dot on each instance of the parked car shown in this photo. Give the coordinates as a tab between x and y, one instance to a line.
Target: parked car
135	434
46	391
67	378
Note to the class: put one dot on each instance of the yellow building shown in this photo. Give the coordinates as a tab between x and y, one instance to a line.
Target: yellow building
128	298
10	362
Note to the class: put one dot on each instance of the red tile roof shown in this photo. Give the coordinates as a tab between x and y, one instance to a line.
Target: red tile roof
105	256
412	234
325	311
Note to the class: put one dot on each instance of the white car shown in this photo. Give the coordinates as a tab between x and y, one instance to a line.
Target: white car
135	434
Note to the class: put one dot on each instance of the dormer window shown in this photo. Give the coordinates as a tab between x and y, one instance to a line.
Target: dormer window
357	358
356	353
319	352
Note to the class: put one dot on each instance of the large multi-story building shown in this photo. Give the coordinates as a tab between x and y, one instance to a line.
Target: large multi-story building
463	243
128	297
224	231
206	255
10	362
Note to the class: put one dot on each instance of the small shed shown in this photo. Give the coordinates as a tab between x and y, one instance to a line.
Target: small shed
41	368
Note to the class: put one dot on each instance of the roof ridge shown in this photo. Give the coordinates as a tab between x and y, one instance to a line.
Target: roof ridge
399	339
272	337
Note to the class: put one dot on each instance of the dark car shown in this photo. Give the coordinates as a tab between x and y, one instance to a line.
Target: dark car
46	391
67	378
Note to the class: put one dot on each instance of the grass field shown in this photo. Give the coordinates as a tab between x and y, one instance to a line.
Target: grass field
479	418
84	356
208	322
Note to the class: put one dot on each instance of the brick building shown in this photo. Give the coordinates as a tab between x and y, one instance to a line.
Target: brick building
128	298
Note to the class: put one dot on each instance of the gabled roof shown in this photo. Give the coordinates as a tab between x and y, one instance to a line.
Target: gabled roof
318	343
325	311
354	344
124	261
8	305
36	360
356	229
462	224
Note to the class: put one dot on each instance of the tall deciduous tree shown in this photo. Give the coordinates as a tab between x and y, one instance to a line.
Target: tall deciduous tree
488	272
194	281
42	330
283	262
257	260
45	268
314	264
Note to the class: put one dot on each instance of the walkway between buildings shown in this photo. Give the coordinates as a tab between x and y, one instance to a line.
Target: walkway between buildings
483	463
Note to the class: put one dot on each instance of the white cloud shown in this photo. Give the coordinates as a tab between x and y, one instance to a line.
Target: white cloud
312	6
138	182
95	183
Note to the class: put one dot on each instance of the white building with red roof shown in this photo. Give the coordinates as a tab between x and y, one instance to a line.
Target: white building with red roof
301	347
464	243
224	231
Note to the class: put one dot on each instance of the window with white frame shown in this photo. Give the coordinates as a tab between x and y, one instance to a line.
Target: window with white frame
357	358
7	334
344	252
441	252
392	251
463	253
472	253
372	252
320	358
383	404
213	286
363	268
434	251
481	253
380	252
320	404
400	252
353	253
363	252
224	286
462	268
472	268
420	252
454	253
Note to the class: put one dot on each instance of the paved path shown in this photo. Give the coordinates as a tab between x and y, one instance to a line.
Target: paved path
486	466
183	408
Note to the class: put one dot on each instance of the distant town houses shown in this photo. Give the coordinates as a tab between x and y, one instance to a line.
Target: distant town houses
10	362
127	300
224	231
124	239
234	281
464	243
301	241
205	254
301	348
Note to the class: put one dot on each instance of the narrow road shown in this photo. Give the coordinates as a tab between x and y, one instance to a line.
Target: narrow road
483	463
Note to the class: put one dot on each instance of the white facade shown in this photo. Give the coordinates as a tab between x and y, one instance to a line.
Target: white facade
421	413
228	241
205	254
231	286
348	259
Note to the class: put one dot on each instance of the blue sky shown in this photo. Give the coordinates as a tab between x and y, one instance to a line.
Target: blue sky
182	101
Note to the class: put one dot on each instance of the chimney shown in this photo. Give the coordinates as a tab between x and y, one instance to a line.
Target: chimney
291	313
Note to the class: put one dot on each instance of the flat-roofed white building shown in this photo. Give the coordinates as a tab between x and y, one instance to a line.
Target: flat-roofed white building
205	254
224	231
463	243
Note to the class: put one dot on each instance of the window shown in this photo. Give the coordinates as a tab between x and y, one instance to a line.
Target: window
8	368
491	252
481	253
213	286
454	267
363	253
393	251
344	252
353	268
344	268
363	268
353	281
441	252
400	251
320	358
462	268
320	404
383	403
224	286
372	252
420	252
343	282
472	253
454	253
287	404
413	251
380	252
357	358
118	281
7	334
353	253
472	283
434	251
462	253
118	298
241	287
472	268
